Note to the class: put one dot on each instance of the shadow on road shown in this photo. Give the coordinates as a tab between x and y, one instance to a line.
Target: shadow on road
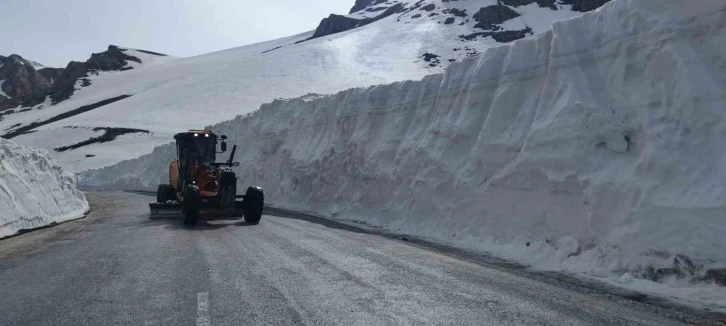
206	223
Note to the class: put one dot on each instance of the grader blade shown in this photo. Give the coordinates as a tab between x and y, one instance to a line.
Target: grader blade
158	210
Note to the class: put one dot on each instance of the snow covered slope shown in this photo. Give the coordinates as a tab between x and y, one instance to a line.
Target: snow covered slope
174	94
596	147
34	190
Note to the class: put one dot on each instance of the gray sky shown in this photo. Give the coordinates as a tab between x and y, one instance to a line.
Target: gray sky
54	32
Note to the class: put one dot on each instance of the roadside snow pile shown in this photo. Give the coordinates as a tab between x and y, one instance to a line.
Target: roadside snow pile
596	147
34	190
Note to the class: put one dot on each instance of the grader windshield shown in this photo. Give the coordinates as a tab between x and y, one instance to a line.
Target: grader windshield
196	147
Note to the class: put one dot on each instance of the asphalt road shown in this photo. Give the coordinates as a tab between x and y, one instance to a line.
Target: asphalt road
117	267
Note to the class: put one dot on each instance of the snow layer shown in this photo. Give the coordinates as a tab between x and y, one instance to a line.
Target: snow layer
172	94
34	190
596	147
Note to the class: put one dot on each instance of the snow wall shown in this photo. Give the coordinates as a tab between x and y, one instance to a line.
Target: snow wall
34	190
597	146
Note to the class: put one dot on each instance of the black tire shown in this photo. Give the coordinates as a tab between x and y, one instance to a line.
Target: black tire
192	203
163	194
253	204
171	195
227	200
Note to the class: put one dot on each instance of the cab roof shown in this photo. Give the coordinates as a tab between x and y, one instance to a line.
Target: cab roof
196	133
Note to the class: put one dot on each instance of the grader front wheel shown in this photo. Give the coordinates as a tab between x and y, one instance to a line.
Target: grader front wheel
253	204
192	203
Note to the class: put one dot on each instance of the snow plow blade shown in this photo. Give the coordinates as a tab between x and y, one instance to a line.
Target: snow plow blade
174	210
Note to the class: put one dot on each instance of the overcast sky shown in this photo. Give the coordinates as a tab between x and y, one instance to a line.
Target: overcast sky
54	32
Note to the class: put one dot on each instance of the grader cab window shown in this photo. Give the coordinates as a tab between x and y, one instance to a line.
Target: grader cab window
197	149
205	149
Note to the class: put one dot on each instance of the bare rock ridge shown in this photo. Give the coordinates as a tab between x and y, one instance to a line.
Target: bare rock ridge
585	5
21	78
337	23
577	5
542	3
488	17
26	86
363	4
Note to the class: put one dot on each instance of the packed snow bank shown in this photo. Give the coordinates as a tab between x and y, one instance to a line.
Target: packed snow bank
596	147
34	190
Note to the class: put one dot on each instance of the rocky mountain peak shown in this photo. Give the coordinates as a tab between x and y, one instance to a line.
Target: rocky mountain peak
15	57
20	78
28	83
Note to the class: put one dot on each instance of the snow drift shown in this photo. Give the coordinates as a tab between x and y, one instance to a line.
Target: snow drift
597	146
34	190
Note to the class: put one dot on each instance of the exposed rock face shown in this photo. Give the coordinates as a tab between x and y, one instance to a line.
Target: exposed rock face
27	86
362	4
501	36
113	59
22	80
493	15
585	5
336	23
51	74
541	3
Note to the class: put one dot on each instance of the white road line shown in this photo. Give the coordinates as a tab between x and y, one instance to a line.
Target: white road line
203	309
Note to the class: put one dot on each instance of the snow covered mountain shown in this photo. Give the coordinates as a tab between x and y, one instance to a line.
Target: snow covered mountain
26	83
105	113
595	147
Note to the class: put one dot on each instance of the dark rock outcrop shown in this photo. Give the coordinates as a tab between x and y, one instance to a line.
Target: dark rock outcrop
490	16
432	59
110	134
428	7
501	36
51	74
113	59
337	23
511	36
585	5
456	12
542	3
362	4
29	128
21	78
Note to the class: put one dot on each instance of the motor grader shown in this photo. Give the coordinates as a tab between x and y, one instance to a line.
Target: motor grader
200	185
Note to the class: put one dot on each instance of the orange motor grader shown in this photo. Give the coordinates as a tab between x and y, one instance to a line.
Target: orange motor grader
198	184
